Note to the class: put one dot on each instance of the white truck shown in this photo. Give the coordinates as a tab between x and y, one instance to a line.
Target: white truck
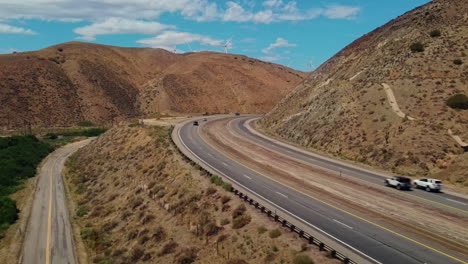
401	183
430	185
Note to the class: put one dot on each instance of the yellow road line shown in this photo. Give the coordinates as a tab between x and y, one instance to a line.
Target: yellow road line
49	221
354	177
326	203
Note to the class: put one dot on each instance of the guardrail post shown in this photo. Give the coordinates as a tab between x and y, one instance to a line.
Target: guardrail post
333	253
321	246
301	233
311	240
346	260
276	218
285	222
292	228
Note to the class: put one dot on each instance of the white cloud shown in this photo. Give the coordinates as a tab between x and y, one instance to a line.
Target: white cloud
341	12
111	26
279	43
273	3
236	13
270	58
7	29
169	39
9	50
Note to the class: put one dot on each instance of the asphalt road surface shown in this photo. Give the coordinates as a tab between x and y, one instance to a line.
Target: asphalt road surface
49	237
376	241
442	200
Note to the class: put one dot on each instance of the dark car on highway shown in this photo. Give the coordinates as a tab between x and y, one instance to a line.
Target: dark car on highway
195	123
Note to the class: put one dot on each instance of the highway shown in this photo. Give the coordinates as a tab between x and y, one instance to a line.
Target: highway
442	200
49	237
375	241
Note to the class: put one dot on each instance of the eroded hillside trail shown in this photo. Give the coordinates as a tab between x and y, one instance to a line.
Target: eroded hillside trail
48	237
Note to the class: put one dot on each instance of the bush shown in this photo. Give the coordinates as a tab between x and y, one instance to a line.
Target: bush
225	221
262	230
435	33
241	221
458	101
226	186
275	233
302	259
417	47
225	199
8	211
216	180
168	248
210	190
239	211
457	62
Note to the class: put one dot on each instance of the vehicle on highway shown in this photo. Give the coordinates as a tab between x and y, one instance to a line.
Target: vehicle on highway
237	114
204	119
195	123
401	183
430	185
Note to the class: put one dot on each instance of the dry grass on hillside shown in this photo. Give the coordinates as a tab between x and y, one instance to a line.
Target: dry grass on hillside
72	82
137	201
343	107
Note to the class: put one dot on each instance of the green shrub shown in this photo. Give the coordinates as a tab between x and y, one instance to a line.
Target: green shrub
435	33
458	101
302	259
417	47
216	180
275	233
457	62
82	211
85	124
226	186
8	211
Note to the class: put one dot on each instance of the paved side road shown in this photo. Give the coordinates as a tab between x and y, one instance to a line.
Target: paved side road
49	237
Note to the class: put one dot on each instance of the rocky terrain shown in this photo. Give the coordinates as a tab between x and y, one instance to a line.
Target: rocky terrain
72	82
147	204
382	100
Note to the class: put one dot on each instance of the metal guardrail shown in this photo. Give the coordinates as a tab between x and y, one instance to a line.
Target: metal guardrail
286	224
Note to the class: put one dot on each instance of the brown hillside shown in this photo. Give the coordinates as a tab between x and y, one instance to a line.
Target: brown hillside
344	109
72	82
146	204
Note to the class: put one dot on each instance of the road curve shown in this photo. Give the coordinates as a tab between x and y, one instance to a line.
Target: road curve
442	200
377	242
49	237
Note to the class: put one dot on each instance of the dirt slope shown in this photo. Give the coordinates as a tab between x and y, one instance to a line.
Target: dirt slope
72	82
344	107
147	204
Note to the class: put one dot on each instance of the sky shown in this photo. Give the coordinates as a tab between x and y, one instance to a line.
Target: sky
299	34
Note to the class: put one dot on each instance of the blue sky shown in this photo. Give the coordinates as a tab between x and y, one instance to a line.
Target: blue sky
294	33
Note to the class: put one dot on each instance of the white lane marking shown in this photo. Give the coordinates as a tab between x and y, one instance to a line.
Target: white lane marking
342	224
247	177
456	201
277	206
282	195
225	164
